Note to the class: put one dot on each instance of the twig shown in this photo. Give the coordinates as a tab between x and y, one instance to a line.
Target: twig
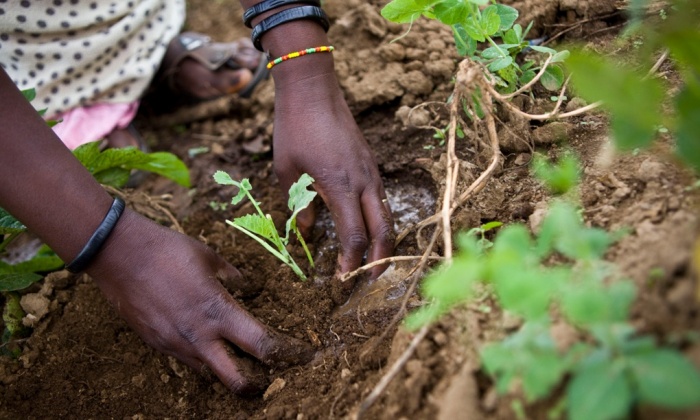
347	276
657	65
416	273
395	369
532	82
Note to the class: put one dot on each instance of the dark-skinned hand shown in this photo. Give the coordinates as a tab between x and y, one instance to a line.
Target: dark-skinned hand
315	133
165	285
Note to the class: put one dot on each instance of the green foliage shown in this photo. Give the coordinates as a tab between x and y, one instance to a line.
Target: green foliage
635	100
12	315
560	178
113	166
606	373
9	225
22	275
473	24
260	226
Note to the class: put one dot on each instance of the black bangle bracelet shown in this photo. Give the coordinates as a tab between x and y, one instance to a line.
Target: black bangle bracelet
267	5
288	15
94	244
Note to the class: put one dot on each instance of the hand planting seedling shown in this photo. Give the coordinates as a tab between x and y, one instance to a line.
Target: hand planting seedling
260	226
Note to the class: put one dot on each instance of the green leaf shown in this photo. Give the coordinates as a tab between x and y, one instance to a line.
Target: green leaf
545	50
592	303
490	226
490	21
553	78
164	164
244	187
451	12
491	53
510	36
466	45
17	281
501	63
9	224
508	16
161	163
599	391
559	57
664	377
530	355
260	225
471	26
560	177
633	100
115	177
29	94
299	198
403	11
688	132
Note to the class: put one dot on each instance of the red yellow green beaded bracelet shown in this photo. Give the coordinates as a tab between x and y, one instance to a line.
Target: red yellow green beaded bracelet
296	54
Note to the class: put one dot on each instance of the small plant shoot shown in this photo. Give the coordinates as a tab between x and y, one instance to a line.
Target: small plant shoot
260	226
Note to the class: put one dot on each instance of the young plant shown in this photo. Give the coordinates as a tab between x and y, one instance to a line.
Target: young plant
472	24
260	226
610	369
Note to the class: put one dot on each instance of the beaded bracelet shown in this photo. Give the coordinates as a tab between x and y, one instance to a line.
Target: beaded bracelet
97	240
296	54
288	15
267	5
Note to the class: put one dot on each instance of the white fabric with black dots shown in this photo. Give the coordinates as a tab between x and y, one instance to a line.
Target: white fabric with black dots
82	52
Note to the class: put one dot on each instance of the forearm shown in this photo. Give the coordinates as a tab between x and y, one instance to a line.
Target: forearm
43	185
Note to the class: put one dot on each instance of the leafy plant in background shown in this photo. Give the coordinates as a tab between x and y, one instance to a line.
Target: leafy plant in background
635	100
472	24
260	226
610	369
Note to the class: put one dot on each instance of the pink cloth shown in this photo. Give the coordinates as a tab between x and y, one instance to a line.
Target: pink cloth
91	123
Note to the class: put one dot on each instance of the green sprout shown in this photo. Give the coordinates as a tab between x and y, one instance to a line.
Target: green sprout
260	226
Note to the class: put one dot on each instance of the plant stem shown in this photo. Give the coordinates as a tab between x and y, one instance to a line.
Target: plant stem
493	43
11	237
306	249
287	260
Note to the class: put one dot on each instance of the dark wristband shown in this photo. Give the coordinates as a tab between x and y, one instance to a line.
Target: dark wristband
267	5
97	240
288	15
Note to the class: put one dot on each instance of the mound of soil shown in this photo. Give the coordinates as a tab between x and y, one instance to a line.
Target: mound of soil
82	361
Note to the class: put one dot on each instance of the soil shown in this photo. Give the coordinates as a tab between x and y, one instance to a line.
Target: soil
82	361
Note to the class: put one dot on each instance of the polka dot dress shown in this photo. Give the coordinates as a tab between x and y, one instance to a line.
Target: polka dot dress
83	52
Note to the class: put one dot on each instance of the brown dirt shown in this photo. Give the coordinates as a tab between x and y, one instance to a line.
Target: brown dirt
82	361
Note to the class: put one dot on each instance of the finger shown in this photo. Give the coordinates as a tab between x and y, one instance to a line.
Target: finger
306	220
350	225
239	375
258	340
233	280
380	224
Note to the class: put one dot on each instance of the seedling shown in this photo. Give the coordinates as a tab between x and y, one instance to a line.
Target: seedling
260	226
472	25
